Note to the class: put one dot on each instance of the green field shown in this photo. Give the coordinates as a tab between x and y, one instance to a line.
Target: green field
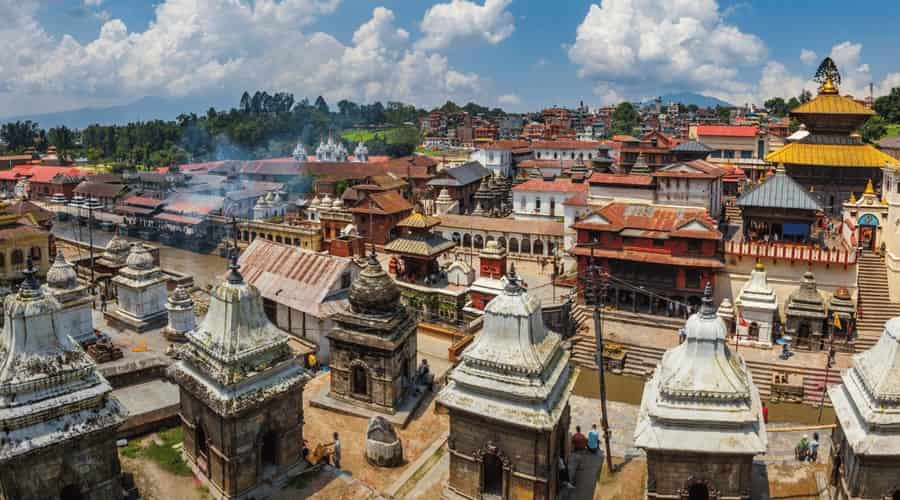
893	130
357	135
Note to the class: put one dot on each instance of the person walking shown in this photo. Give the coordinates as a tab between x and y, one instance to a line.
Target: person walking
593	439
765	412
336	456
814	448
579	441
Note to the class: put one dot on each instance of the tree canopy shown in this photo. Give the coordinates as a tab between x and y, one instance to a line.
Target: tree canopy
624	120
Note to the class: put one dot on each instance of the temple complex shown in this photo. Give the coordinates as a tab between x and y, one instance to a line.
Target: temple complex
74	298
779	210
373	350
701	420
241	395
508	402
832	160
758	306
866	452
141	291
58	420
180	309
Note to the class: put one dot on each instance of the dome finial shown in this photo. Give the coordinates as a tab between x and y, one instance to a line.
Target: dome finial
870	189
759	266
234	276
513	287
30	284
707	308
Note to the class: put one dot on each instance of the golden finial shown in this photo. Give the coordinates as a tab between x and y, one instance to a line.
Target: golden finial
828	87
760	266
852	197
883	199
870	189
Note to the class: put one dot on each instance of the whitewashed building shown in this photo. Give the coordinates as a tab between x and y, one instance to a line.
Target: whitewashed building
758	306
498	156
696	183
74	297
543	198
568	150
141	291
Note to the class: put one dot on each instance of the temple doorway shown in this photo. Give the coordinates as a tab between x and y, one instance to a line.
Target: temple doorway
803	331
753	331
359	381
492	474
71	492
868	226
202	447
269	451
698	491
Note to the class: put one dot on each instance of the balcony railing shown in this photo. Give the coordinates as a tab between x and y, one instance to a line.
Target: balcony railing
793	253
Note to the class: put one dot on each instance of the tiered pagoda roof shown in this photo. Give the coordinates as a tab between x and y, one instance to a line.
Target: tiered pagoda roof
515	371
50	389
867	404
418	239
236	358
701	398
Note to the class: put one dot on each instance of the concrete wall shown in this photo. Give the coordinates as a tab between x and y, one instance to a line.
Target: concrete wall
314	329
669	473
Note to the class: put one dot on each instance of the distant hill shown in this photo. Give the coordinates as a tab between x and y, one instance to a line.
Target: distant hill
700	100
147	108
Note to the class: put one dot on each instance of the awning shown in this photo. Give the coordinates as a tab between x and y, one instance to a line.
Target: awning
795	229
178	219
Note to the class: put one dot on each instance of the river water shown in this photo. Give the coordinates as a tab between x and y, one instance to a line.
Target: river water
628	389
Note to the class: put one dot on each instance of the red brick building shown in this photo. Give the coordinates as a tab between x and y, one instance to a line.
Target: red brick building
668	252
377	214
654	145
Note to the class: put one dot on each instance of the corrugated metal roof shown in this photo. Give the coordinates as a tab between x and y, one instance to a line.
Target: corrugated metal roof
468	173
297	278
779	191
692	147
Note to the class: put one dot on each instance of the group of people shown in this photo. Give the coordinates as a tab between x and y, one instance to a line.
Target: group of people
580	444
807	450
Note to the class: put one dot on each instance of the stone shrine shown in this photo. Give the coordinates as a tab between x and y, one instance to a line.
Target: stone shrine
508	401
758	306
701	420
805	313
58	420
180	307
241	395
141	291
866	453
74	298
373	351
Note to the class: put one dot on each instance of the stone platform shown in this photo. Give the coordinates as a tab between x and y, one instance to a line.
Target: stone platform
119	320
400	418
150	406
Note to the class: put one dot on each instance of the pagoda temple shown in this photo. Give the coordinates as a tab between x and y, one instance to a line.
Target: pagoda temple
373	351
58	421
832	161
866	453
508	401
701	420
241	394
418	249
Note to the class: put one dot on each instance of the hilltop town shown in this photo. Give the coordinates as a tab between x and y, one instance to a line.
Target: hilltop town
284	300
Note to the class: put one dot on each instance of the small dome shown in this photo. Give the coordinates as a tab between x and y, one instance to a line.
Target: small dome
140	258
327	201
117	249
373	291
338	203
62	275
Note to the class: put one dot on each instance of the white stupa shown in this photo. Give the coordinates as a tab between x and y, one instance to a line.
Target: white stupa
757	304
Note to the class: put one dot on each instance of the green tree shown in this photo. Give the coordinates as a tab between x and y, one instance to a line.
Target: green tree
321	105
888	106
777	107
20	135
874	129
63	138
402	141
724	114
624	120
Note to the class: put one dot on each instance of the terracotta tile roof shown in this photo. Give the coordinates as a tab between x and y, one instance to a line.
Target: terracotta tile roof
476	223
98	189
17	232
567	144
624	138
178	219
299	279
650	257
385	202
621	179
559	185
695	169
507	144
578	200
418	166
727	131
831	155
143	201
673	221
272	166
196	204
546	163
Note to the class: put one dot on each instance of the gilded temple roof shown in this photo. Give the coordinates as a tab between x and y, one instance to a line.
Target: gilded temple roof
833	104
828	155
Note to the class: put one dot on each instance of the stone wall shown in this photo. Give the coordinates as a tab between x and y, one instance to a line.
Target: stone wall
385	385
669	473
89	464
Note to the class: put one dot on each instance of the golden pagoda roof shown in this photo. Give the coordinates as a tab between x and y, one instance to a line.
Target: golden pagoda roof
832	104
831	155
419	220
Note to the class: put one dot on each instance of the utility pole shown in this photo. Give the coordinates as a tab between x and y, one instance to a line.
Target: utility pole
828	358
598	288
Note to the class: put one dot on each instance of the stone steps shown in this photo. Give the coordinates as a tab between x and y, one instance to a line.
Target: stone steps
874	297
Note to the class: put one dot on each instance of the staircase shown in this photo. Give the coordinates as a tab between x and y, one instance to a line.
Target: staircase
874	298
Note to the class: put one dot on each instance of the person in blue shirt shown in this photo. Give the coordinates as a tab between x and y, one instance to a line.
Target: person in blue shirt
593	439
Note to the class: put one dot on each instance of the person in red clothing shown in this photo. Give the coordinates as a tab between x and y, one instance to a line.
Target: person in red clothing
579	440
765	411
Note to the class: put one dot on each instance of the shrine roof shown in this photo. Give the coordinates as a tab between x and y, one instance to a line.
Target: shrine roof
567	144
673	221
831	155
833	104
779	191
727	130
429	245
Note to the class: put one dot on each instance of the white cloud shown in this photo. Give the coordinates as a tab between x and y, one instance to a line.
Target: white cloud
446	23
202	45
93	3
807	56
509	100
640	47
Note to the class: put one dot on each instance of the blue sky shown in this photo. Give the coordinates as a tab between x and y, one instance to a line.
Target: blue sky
522	54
